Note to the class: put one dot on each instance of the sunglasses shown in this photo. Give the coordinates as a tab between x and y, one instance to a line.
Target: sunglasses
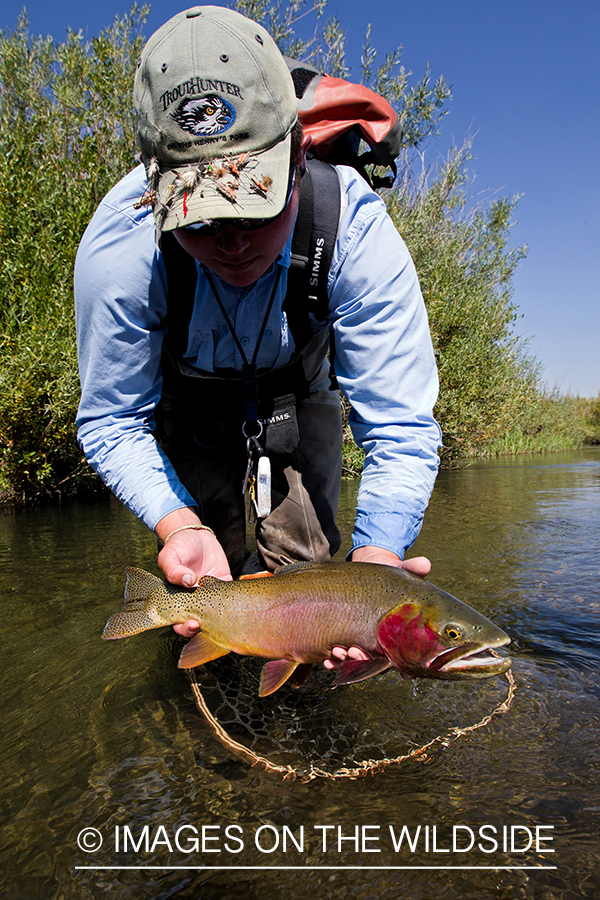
210	227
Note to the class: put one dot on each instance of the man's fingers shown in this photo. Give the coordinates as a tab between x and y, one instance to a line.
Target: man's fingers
187	629
180	575
341	654
418	565
357	653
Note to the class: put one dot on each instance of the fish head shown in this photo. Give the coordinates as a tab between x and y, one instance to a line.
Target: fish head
437	636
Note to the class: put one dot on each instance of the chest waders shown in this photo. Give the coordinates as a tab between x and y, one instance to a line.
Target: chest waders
212	425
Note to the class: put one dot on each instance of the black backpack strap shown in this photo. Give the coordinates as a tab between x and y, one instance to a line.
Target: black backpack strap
182	277
313	244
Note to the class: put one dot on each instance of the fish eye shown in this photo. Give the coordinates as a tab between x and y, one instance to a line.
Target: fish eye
453	632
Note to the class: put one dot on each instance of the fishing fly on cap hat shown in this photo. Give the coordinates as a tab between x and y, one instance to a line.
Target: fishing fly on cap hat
215	106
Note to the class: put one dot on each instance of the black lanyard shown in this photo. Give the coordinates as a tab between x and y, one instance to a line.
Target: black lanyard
248	368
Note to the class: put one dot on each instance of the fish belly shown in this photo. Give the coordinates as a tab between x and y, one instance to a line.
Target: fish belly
289	622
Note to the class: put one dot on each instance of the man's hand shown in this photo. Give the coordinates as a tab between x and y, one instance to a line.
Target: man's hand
191	554
188	555
340	655
419	565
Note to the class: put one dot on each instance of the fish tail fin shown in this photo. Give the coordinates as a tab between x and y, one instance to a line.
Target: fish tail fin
140	584
132	620
139	613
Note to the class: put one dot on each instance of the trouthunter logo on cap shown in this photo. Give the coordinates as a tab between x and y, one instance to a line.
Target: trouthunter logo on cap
216	106
209	115
198	86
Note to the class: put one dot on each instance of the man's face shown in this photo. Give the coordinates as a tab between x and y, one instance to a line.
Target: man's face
241	257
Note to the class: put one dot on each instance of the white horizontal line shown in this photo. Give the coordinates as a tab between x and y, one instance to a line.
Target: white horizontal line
304	868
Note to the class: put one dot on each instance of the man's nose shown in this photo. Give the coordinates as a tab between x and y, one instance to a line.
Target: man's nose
231	240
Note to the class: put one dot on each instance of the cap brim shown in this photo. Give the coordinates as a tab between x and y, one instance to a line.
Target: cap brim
243	186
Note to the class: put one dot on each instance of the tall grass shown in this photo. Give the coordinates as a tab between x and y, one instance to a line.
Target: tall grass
551	422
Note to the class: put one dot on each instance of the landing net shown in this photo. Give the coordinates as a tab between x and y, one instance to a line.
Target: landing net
349	732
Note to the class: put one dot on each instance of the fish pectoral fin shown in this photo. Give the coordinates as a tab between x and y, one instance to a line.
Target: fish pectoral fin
353	670
201	649
274	674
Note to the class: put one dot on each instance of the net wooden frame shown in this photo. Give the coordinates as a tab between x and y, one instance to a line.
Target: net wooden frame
362	769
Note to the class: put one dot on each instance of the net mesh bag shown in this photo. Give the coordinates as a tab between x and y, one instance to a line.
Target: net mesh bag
350	732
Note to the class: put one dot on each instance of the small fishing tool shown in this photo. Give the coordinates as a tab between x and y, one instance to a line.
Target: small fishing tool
257	480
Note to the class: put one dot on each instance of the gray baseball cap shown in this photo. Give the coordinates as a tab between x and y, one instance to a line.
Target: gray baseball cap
215	109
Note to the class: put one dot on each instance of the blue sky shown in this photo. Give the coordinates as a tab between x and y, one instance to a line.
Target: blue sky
525	79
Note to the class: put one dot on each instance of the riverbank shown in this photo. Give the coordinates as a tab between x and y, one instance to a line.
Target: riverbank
551	423
52	468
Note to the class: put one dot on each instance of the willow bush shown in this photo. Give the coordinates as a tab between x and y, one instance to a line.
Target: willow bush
67	135
465	267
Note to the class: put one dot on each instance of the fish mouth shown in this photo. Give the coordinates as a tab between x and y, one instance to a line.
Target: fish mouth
471	661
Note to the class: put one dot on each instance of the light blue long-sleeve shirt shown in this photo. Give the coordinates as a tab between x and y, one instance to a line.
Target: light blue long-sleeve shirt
383	356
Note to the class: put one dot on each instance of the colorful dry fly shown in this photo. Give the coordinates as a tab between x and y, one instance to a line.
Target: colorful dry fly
240	162
148	198
264	185
227	190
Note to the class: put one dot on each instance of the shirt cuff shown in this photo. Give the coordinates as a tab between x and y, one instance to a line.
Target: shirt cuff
390	531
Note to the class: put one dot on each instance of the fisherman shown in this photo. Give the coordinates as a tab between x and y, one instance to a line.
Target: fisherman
165	394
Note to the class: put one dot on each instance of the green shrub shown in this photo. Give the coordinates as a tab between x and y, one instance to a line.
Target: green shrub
465	267
67	135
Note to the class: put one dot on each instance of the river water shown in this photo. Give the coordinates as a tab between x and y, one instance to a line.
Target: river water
107	736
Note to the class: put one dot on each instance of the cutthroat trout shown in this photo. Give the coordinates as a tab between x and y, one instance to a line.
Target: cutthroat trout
299	615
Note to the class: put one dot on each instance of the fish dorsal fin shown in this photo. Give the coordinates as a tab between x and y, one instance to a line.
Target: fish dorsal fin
353	670
293	567
274	674
140	584
201	649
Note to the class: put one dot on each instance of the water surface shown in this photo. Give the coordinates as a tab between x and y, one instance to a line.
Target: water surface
107	736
